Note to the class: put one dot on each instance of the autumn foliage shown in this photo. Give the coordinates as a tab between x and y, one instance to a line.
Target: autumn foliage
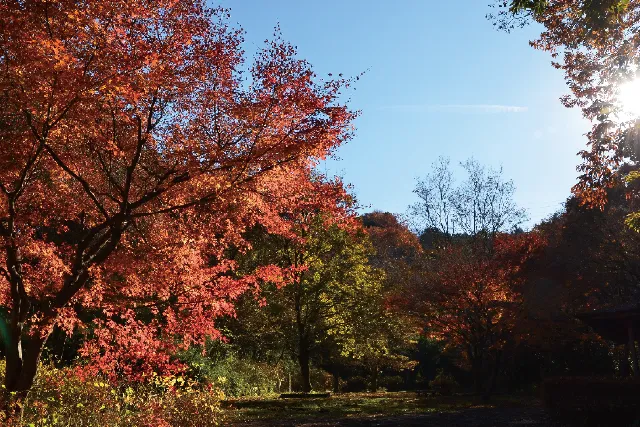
595	44
137	147
158	191
473	299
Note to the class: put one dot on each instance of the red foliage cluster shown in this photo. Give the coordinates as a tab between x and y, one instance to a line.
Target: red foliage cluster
474	296
134	157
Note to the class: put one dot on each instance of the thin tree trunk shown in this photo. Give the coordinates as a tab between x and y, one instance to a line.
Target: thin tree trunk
303	344
374	379
336	381
632	348
624	361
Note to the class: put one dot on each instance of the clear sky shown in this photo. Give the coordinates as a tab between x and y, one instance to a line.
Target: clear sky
440	81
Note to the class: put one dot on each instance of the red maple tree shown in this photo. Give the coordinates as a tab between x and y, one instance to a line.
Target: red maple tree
137	148
472	300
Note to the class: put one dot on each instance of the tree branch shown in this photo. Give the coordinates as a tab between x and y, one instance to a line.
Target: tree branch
85	185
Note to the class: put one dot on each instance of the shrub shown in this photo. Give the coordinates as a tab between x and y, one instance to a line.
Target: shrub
356	384
190	405
444	384
62	398
234	375
392	383
593	401
321	380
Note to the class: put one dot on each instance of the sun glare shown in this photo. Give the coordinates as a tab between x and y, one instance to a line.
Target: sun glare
629	97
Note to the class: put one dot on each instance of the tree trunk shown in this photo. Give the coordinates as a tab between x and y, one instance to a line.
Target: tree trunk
493	378
478	377
624	361
632	348
477	368
336	381
374	379
305	373
303	344
23	355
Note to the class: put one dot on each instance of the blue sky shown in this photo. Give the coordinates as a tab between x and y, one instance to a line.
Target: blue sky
440	81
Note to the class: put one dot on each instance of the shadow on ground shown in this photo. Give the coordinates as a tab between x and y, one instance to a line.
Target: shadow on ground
387	410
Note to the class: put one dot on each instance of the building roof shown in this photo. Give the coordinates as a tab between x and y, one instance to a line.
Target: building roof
612	322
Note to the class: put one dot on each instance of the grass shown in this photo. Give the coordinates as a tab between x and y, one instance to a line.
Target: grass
357	405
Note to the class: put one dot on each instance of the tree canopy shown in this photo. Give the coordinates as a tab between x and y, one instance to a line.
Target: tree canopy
595	44
161	209
135	152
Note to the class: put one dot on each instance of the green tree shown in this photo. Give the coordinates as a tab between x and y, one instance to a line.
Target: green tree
332	298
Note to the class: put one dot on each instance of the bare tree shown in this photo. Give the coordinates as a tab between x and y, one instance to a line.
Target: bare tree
435	191
482	203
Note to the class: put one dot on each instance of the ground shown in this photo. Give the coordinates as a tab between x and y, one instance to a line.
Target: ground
387	410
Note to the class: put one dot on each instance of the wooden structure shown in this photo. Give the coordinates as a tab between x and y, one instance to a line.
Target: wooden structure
620	324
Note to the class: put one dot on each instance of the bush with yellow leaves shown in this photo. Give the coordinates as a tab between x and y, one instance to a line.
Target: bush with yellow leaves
62	398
